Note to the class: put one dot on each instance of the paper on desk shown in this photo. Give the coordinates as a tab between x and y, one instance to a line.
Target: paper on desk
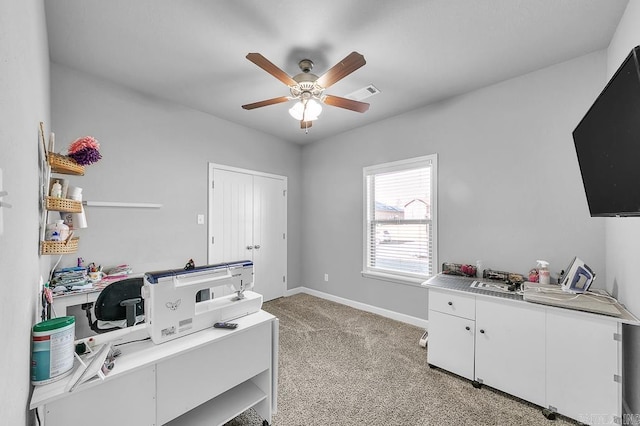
82	287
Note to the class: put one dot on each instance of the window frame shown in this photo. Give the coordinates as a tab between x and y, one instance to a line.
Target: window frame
407	164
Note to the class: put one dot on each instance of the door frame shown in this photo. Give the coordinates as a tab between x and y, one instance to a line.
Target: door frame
284	179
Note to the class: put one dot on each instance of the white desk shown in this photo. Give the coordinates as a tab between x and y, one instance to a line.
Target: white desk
62	301
208	377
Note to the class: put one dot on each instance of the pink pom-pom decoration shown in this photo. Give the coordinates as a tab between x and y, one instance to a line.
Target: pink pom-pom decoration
85	150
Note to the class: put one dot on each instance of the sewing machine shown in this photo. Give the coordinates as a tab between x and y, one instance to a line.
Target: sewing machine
180	302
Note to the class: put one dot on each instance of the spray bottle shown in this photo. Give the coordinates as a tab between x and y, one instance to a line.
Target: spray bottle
543	272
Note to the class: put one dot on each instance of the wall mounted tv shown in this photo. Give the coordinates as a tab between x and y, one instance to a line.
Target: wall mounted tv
607	142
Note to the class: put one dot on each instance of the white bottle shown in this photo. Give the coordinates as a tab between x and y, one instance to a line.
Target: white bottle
79	220
56	190
544	276
479	269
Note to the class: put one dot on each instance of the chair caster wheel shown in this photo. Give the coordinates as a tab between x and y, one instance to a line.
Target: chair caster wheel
550	415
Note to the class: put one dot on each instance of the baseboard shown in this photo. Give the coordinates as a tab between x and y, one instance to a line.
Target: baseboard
408	319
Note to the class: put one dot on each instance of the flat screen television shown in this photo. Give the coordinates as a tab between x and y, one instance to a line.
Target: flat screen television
607	142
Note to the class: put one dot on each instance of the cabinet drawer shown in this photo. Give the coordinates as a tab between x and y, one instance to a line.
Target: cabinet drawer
460	305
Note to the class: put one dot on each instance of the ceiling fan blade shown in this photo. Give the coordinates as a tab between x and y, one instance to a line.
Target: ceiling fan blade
345	103
305	124
352	62
266	102
269	67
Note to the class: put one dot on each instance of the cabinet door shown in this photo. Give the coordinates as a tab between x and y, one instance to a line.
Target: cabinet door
582	359
451	343
122	399
510	348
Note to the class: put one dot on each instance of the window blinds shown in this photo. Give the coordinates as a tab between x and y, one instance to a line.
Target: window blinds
399	208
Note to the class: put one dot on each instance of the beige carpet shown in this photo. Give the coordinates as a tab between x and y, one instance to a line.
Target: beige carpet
340	366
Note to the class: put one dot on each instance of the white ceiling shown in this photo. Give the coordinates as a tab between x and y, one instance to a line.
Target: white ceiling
418	51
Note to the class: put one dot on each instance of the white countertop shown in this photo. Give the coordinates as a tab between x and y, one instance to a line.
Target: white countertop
596	302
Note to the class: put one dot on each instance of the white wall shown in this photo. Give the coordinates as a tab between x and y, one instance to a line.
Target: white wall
24	102
509	192
158	152
623	234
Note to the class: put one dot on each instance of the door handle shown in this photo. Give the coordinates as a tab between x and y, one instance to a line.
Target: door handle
249	247
257	246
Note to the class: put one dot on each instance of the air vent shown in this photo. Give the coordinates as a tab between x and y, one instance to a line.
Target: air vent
363	93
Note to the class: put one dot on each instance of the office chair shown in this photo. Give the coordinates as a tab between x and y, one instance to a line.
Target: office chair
119	305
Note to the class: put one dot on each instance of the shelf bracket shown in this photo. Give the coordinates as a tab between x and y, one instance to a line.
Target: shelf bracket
121	204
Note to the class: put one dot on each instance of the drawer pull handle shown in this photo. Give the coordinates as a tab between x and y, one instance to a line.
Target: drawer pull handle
450	303
467	328
481	331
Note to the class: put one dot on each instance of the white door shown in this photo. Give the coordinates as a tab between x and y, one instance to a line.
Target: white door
269	244
247	220
231	217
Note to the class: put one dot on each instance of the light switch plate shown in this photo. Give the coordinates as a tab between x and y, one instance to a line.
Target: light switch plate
200	219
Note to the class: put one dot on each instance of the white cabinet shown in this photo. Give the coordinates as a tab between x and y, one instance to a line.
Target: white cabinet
204	378
564	360
209	372
248	220
451	332
510	348
584	367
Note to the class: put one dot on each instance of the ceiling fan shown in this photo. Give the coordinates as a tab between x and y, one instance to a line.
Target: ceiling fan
309	89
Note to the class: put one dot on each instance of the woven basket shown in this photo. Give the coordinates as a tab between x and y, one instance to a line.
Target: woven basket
59	247
65	165
63	205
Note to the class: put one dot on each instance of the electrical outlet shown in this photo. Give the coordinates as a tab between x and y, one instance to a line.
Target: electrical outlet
326	277
200	219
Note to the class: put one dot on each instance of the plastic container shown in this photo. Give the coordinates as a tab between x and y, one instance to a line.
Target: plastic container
57	231
74	193
56	190
544	276
479	269
78	220
52	348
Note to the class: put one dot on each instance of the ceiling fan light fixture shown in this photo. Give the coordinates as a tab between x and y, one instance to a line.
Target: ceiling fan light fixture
308	89
307	110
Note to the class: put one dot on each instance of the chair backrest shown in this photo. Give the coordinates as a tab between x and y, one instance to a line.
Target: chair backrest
108	305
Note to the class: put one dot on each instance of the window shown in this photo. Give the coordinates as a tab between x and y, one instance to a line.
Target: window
400	219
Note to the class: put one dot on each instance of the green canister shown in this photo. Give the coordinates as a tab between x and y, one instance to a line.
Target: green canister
52	349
